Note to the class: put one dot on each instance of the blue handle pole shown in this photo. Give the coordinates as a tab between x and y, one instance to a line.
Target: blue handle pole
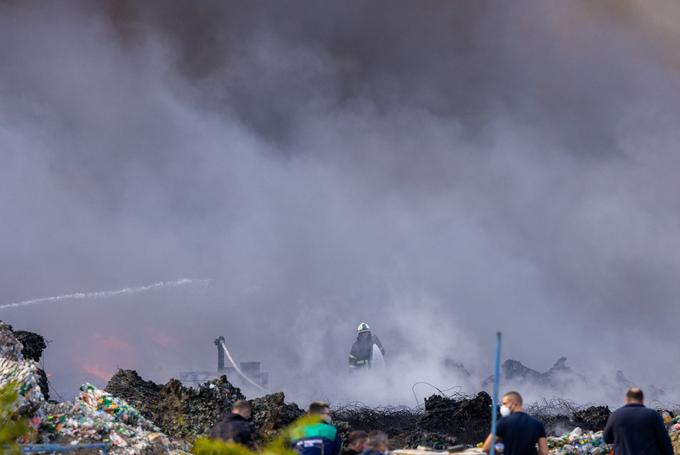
494	398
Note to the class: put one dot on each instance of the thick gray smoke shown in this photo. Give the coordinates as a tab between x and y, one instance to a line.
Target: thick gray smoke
440	170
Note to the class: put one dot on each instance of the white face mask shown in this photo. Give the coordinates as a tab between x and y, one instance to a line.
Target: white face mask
505	411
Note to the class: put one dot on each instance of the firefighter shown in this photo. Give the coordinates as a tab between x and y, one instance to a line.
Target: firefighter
361	355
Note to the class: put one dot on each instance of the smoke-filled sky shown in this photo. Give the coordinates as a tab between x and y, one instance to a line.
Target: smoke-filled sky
441	170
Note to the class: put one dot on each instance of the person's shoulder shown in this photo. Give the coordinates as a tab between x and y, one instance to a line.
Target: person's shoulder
327	430
236	419
523	418
652	414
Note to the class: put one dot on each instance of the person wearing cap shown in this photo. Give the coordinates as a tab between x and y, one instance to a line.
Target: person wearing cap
361	355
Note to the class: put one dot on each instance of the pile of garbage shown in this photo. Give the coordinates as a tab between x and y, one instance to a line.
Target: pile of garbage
674	433
182	412
393	419
97	416
271	414
560	415
93	416
578	442
187	413
25	373
33	347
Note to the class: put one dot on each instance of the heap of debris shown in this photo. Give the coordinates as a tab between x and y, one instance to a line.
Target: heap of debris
271	414
578	442
592	418
444	423
394	420
187	413
465	419
93	416
32	347
179	411
560	416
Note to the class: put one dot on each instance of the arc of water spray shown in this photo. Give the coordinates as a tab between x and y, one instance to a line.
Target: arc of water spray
106	294
238	370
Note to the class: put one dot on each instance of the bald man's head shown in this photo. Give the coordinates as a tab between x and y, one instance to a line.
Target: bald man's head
635	395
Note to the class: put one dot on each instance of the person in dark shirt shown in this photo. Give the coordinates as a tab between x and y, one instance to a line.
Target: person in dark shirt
518	431
356	443
637	430
236	426
376	443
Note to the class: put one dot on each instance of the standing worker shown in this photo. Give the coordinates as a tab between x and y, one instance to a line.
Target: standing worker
637	430
318	437
236	426
361	355
518	431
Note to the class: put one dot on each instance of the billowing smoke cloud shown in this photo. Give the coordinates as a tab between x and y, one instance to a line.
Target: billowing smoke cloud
441	170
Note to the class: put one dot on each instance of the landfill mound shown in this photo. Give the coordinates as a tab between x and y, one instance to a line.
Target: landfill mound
186	413
93	416
30	347
179	411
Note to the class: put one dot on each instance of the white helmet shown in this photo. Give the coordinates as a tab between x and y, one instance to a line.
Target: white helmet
363	327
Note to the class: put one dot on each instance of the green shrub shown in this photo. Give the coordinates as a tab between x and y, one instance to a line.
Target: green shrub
11	426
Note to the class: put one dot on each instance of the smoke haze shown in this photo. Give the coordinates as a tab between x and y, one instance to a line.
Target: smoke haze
441	170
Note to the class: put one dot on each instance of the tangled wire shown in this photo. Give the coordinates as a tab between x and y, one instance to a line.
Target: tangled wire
394	419
546	408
